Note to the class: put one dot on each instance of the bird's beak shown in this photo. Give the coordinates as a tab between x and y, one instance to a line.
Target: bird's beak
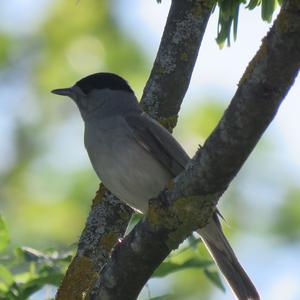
63	92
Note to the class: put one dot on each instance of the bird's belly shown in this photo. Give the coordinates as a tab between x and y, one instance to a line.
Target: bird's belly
129	171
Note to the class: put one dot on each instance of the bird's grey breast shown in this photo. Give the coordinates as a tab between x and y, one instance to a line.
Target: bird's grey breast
126	168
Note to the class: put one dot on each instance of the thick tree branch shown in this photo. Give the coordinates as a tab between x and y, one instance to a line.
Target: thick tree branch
191	201
109	217
106	223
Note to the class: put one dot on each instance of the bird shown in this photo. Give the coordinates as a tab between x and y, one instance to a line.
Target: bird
135	158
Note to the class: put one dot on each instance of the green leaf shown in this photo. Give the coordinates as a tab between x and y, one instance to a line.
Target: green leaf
228	15
215	278
135	218
53	279
224	31
229	12
4	236
235	21
253	3
267	9
168	267
6	276
23	277
13	293
34	285
31	255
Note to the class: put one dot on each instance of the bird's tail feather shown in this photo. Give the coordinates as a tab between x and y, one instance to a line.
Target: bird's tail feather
222	253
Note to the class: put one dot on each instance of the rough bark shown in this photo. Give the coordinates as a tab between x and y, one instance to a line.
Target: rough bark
175	60
108	217
192	199
106	224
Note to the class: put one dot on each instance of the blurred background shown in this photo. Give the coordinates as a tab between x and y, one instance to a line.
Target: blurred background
46	181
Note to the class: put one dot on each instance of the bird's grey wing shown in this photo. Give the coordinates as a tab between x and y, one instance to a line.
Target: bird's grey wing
159	142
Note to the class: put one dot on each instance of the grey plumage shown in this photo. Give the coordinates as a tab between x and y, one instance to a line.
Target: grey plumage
135	157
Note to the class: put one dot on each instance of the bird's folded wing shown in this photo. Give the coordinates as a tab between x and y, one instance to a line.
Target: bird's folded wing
159	142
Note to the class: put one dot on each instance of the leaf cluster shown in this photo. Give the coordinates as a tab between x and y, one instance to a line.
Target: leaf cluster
229	14
24	271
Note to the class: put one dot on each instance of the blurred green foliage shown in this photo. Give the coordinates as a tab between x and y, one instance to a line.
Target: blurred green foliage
287	221
44	197
71	41
5	43
24	271
4	238
91	40
201	120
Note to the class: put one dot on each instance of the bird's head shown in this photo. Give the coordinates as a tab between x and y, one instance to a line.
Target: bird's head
105	92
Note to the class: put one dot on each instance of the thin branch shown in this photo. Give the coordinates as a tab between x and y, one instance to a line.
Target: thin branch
108	216
191	201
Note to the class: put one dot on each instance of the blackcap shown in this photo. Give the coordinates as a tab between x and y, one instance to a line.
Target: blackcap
135	157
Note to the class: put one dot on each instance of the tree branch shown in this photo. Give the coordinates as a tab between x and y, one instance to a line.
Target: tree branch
108	217
191	201
106	224
175	60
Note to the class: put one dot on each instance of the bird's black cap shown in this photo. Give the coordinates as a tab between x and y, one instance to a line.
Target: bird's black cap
103	81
